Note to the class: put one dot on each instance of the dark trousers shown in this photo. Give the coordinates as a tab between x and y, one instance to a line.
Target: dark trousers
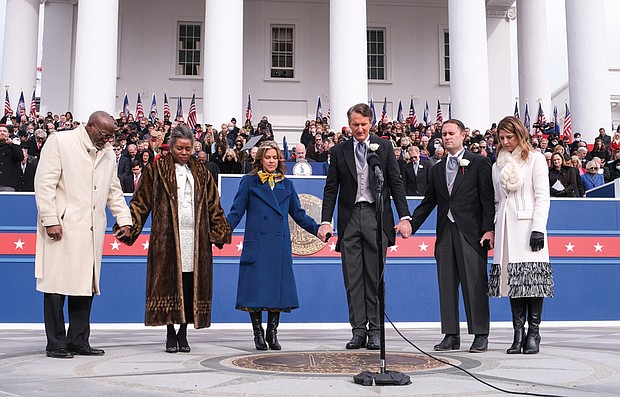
360	269
79	321
188	296
459	263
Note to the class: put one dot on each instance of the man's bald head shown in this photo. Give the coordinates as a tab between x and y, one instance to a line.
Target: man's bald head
100	128
300	152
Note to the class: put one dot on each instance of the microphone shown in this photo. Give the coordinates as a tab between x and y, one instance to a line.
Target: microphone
373	162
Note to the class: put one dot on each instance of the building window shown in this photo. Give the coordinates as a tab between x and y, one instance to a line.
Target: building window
188	60
283	51
445	56
375	42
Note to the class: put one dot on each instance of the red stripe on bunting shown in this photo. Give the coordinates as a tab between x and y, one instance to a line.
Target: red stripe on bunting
413	247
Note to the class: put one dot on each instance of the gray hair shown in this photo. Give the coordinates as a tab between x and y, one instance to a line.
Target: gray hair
180	132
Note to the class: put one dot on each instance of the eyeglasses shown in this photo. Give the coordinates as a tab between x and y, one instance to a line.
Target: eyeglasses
103	134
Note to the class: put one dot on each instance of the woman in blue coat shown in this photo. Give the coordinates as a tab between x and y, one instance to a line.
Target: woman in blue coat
266	279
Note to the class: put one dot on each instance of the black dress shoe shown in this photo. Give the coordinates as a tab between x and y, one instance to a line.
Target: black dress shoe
87	351
59	353
480	344
356	342
449	342
374	343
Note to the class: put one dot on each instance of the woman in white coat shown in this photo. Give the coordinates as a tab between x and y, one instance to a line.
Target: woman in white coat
521	268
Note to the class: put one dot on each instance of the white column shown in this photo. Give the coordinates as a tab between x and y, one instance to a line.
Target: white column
94	84
223	81
469	69
19	61
56	65
533	59
348	75
588	71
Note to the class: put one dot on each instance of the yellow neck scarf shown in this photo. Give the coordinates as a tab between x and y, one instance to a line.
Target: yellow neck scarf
272	178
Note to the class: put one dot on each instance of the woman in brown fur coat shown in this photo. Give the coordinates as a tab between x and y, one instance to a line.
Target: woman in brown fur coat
187	219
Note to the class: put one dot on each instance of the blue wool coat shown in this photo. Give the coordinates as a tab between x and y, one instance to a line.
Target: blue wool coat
266	278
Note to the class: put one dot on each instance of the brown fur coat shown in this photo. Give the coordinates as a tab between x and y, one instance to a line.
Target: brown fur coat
157	194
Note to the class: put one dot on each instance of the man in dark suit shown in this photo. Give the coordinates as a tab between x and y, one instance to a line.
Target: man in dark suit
129	182
462	190
352	180
416	174
123	164
25	175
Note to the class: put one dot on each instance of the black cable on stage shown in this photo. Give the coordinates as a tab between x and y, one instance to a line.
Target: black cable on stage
466	371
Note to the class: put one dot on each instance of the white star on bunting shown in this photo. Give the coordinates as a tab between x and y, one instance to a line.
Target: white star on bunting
598	247
423	247
394	248
145	245
332	247
569	247
115	244
19	244
239	246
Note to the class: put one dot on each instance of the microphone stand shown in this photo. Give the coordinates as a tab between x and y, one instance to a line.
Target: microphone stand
383	377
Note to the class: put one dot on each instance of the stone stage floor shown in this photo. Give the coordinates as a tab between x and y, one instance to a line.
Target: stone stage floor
576	359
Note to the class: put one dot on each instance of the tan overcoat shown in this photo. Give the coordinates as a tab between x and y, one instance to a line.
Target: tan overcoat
73	184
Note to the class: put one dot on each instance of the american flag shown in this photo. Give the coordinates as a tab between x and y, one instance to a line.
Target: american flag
399	116
516	114
191	115
413	119
7	104
21	105
33	106
166	106
153	108
384	118
179	107
425	117
439	117
541	115
567	130
126	106
329	115
526	120
374	112
248	110
139	108
319	110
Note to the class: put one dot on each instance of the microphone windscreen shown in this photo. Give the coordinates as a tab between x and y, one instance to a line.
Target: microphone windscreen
373	160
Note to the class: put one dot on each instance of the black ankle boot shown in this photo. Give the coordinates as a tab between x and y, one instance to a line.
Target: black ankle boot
171	339
518	307
534	315
273	320
182	339
259	333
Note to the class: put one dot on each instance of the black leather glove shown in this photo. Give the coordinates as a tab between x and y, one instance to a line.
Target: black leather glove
537	241
219	245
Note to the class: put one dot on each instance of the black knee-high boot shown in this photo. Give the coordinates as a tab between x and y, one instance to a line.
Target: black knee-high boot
534	315
259	333
273	320
171	339
518	307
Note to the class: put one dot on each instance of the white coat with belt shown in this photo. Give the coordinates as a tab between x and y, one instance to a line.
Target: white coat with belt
73	184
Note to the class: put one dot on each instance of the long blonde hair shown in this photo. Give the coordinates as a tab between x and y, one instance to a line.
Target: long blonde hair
513	125
257	165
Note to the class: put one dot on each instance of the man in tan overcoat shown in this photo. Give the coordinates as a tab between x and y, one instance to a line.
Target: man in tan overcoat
75	180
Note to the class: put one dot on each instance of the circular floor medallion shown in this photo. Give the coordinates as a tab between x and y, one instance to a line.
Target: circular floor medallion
334	363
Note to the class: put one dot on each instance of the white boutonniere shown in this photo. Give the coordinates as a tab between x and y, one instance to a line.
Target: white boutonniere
420	166
373	147
463	163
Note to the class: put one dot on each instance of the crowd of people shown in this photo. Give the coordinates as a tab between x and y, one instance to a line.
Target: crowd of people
578	167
